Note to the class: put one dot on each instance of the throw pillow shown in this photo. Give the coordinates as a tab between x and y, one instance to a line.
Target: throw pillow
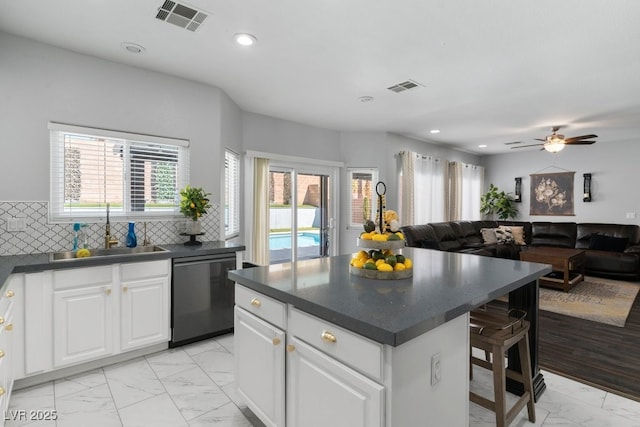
517	232
489	236
608	243
504	236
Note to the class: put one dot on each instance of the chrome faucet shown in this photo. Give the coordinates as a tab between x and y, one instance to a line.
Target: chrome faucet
146	241
109	240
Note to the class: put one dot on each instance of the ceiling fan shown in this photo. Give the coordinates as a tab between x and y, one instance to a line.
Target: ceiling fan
556	142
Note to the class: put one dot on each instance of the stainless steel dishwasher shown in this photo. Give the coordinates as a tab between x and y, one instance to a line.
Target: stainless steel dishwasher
202	298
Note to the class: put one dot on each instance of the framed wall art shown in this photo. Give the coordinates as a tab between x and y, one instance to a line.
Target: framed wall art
552	194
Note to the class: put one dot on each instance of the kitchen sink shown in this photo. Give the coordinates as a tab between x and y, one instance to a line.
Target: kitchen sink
138	250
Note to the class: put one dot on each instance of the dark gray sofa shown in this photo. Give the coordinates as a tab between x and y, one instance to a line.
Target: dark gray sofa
611	250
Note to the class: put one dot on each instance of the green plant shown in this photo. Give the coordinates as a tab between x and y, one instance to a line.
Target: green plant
499	203
194	202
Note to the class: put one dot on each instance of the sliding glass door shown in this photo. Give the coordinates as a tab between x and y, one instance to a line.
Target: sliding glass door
301	213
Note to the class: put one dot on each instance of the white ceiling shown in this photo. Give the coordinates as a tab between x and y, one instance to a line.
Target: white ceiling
493	71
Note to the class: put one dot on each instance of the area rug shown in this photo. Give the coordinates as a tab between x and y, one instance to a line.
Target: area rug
600	300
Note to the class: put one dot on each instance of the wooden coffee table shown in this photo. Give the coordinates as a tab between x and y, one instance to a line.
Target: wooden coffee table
567	265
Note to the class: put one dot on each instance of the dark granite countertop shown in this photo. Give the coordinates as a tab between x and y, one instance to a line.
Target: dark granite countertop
40	262
444	286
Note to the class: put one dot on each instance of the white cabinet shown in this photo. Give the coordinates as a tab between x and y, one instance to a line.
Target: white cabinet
144	304
6	348
260	365
76	315
324	392
330	375
83	314
323	385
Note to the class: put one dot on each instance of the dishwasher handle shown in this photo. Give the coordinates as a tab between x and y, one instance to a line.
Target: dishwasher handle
186	261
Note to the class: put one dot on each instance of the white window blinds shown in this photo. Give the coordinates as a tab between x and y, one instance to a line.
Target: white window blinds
231	193
138	175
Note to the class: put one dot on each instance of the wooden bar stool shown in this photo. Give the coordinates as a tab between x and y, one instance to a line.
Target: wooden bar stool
495	332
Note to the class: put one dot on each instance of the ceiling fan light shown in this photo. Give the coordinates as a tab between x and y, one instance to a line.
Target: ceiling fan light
554	146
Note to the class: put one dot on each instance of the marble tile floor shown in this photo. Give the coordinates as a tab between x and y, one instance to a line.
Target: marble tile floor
193	386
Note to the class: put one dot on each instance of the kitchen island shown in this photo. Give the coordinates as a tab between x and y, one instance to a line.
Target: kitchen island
345	350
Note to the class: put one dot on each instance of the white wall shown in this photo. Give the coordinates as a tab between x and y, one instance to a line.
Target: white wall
613	166
380	150
40	83
277	136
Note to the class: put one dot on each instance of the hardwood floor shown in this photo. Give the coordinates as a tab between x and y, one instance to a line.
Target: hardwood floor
605	356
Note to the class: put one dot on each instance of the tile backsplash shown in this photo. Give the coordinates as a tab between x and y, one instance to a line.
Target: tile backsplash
43	237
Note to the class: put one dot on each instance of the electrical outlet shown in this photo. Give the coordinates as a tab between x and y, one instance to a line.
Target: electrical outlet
436	370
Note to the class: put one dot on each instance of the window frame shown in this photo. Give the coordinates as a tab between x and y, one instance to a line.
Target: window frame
132	142
234	199
374	201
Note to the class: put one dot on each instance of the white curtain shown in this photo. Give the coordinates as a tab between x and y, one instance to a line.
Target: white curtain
472	182
407	177
260	246
423	188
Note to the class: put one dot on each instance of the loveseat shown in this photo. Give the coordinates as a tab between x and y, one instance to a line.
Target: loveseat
611	250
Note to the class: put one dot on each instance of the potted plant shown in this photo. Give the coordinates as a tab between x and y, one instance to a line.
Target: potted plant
496	202
194	203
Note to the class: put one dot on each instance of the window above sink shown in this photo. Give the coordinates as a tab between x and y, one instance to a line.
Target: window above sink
139	175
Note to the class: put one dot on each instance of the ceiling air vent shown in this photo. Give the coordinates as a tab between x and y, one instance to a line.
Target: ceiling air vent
181	15
404	86
513	143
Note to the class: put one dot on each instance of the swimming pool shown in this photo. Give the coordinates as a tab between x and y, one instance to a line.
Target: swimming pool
283	241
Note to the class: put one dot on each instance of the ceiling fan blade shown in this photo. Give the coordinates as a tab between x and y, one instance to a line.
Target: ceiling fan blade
577	138
580	142
538	139
526	146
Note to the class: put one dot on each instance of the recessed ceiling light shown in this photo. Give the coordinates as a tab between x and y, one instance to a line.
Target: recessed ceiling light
482	146
245	39
133	47
366	98
434	131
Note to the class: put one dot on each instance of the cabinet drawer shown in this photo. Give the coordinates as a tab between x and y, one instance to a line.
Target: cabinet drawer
64	279
262	306
354	350
143	270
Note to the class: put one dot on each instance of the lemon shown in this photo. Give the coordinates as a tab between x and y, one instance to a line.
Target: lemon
365	236
362	255
83	253
399	267
379	238
380	261
358	263
400	235
384	267
408	263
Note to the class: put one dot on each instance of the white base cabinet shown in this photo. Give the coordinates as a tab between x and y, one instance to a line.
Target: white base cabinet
83	314
324	392
83	324
334	377
6	349
144	304
260	361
